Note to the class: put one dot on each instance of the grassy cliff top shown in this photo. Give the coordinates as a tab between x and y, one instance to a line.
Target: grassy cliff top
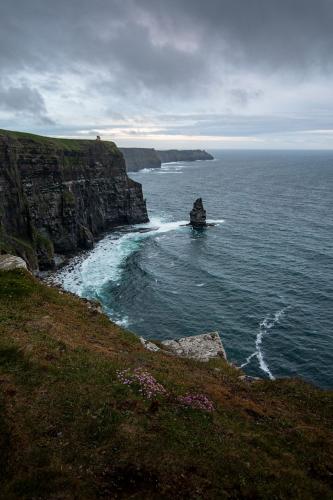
64	144
75	424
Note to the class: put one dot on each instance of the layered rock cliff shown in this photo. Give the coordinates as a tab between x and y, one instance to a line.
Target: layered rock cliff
183	155
57	195
140	158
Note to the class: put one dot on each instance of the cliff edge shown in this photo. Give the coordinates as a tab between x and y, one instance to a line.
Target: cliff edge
58	195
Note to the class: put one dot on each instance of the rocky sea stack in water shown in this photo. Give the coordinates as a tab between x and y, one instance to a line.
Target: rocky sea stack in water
198	215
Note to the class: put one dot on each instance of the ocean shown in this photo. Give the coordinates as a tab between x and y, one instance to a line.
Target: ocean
262	276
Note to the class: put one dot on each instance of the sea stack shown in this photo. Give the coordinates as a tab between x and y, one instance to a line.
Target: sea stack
198	215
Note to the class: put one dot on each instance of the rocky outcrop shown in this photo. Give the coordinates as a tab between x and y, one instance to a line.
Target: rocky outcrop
58	195
200	347
172	155
10	262
140	158
198	215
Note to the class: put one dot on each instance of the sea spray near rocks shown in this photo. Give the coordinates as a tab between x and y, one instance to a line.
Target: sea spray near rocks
89	274
86	275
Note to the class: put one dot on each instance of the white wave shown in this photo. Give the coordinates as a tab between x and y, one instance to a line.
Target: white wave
200	284
86	277
171	163
124	322
264	329
169	172
144	170
215	221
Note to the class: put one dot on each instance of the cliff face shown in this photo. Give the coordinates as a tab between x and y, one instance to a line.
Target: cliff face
183	155
139	158
56	195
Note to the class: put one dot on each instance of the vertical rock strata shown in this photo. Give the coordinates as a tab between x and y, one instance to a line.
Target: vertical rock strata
57	195
139	158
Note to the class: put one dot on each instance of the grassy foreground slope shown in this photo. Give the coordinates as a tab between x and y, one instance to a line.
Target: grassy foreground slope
70	428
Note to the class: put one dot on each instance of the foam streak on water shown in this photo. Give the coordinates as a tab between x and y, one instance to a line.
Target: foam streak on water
264	329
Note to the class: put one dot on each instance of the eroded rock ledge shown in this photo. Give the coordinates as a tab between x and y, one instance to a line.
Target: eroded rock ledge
200	347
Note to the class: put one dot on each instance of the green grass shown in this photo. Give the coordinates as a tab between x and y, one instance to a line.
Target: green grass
59	143
70	429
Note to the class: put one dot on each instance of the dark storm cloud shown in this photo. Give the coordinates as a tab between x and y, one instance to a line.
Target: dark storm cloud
76	35
285	33
124	35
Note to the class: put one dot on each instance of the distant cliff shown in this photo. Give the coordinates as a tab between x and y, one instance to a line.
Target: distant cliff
140	158
183	155
57	195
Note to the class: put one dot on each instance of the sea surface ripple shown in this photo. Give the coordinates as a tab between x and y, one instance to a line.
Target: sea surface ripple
262	277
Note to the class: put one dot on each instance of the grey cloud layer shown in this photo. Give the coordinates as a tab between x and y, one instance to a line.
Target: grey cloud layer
290	33
150	50
45	34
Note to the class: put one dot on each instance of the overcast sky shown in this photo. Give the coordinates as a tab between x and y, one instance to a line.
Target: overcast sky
170	73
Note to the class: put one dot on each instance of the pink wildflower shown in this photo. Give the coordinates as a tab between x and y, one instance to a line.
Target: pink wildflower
196	401
148	385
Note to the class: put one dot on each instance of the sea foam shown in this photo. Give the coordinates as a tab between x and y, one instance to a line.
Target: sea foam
264	329
87	275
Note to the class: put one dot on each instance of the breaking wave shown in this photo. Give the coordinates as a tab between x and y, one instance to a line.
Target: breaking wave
86	275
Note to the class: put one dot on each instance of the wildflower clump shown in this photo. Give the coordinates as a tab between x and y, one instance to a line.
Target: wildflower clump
196	401
148	385
149	388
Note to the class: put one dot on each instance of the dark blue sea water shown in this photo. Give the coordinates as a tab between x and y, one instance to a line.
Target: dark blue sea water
262	277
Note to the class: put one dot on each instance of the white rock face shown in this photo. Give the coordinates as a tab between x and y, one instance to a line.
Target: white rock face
9	262
150	346
200	347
